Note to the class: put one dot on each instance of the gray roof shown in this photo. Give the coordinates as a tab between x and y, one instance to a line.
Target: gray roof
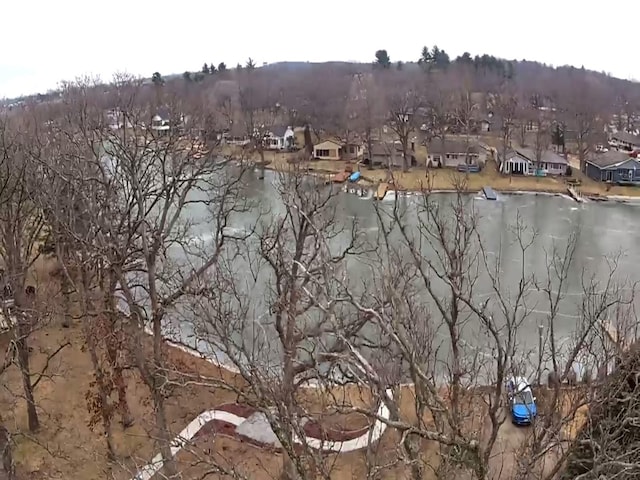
163	113
547	156
386	148
626	137
279	131
452	146
608	159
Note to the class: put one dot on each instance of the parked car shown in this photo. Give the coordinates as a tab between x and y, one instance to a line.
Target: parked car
522	403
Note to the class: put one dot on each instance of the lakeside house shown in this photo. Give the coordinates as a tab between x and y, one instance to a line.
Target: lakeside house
525	161
338	150
625	141
235	135
389	155
161	121
453	153
613	167
280	138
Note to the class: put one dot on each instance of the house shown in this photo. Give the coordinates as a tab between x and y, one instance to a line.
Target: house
337	150
161	121
280	138
235	135
115	119
389	155
352	150
625	141
453	152
327	150
525	161
613	167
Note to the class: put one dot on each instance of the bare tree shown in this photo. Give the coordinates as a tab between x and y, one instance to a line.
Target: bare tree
585	110
505	104
299	334
403	106
442	277
135	187
364	109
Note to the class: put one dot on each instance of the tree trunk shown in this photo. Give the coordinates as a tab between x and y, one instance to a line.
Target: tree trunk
22	346
98	371
164	436
66	301
114	343
8	468
103	392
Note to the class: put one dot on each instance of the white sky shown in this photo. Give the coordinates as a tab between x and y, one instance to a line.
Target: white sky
45	41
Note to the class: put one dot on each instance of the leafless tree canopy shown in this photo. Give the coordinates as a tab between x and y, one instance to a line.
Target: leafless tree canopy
150	234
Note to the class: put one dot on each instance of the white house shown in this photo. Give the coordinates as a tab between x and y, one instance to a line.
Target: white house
524	161
161	121
280	138
625	141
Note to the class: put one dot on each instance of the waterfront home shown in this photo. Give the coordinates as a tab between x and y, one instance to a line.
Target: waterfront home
625	141
525	161
613	167
454	152
389	155
280	138
338	150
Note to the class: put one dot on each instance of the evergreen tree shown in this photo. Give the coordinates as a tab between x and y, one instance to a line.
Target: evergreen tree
382	59
205	69
222	67
157	79
187	76
425	57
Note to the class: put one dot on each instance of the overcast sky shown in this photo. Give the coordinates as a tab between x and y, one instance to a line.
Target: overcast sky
45	41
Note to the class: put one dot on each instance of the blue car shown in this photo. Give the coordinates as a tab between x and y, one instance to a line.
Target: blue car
522	403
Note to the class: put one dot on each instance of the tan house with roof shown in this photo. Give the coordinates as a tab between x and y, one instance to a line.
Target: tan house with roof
336	150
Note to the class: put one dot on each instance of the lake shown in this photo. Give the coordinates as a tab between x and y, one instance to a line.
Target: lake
603	231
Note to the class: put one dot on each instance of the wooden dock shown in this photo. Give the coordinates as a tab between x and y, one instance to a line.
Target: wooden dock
575	195
489	193
340	177
382	191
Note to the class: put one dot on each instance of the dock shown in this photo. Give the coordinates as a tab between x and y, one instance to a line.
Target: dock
575	195
340	177
382	191
489	193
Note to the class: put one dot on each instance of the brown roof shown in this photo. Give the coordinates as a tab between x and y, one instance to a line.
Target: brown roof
452	146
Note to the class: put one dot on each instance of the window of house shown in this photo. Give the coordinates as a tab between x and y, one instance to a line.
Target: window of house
322	153
352	149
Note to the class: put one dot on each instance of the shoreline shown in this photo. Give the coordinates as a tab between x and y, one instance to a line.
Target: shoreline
372	185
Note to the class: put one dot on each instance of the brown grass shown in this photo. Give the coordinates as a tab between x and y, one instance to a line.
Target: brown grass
66	447
445	179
